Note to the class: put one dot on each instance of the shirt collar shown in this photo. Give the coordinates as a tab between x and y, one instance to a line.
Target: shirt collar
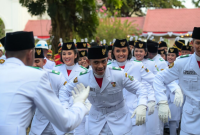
15	61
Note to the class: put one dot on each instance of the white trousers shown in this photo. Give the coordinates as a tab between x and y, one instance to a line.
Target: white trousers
184	133
139	130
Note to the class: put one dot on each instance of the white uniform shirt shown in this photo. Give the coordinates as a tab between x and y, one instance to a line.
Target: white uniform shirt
49	64
22	89
40	122
187	71
107	101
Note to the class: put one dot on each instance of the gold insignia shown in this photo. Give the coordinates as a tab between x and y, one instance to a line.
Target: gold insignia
171	50
2	61
142	66
153	40
187	47
69	46
113	84
65	82
83	53
159	42
126	74
147	70
84	44
0	45
134	43
171	65
162	52
161	69
103	51
140	45
76	80
38	51
123	43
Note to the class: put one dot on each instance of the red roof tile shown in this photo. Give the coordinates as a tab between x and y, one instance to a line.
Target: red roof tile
39	27
171	20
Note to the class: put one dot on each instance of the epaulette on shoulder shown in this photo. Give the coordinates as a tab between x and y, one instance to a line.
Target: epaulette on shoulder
83	72
36	67
83	67
161	59
137	61
55	72
116	68
108	63
185	56
58	65
150	59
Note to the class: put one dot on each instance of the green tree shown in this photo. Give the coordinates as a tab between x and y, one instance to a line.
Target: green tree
130	7
196	3
2	29
67	17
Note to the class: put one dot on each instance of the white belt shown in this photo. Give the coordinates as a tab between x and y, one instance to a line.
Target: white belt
12	130
110	109
193	102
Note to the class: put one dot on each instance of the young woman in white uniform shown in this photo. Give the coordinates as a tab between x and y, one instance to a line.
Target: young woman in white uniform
173	53
141	54
70	69
121	55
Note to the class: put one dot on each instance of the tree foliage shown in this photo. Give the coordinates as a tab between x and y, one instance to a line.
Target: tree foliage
130	7
196	3
2	29
67	17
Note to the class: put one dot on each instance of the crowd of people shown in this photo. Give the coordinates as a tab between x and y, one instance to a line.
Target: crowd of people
126	88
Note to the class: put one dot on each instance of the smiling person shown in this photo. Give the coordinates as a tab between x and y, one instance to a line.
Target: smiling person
40	124
108	114
186	69
70	69
83	59
121	53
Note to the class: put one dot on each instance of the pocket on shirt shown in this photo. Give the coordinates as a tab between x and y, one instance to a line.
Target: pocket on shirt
92	97
190	82
115	95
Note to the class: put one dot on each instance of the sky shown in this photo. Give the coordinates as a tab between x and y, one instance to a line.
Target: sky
188	4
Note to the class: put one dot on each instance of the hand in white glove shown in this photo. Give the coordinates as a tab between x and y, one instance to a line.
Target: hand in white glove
151	107
81	93
88	105
164	111
140	113
178	99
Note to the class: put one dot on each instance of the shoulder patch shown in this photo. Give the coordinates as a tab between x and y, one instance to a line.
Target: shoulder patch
161	59
171	65
131	77
65	82
137	60
58	65
156	68
116	68
2	61
35	67
55	72
83	72
150	59
83	67
108	63
146	69
184	56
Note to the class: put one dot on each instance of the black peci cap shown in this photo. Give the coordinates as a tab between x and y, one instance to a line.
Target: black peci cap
196	33
39	53
83	53
68	46
121	43
97	52
152	46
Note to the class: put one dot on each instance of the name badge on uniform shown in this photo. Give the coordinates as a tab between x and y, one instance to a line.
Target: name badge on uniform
92	89
189	72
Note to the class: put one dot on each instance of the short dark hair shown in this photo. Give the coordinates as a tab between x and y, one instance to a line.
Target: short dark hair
75	52
146	51
129	53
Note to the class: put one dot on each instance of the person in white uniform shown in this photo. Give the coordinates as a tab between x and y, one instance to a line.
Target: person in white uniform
173	86
108	115
121	54
43	44
83	60
172	54
70	70
2	56
186	69
109	48
40	124
29	88
141	54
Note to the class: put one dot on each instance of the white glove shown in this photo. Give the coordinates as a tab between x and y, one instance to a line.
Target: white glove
140	113
178	99
164	111
151	107
81	93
